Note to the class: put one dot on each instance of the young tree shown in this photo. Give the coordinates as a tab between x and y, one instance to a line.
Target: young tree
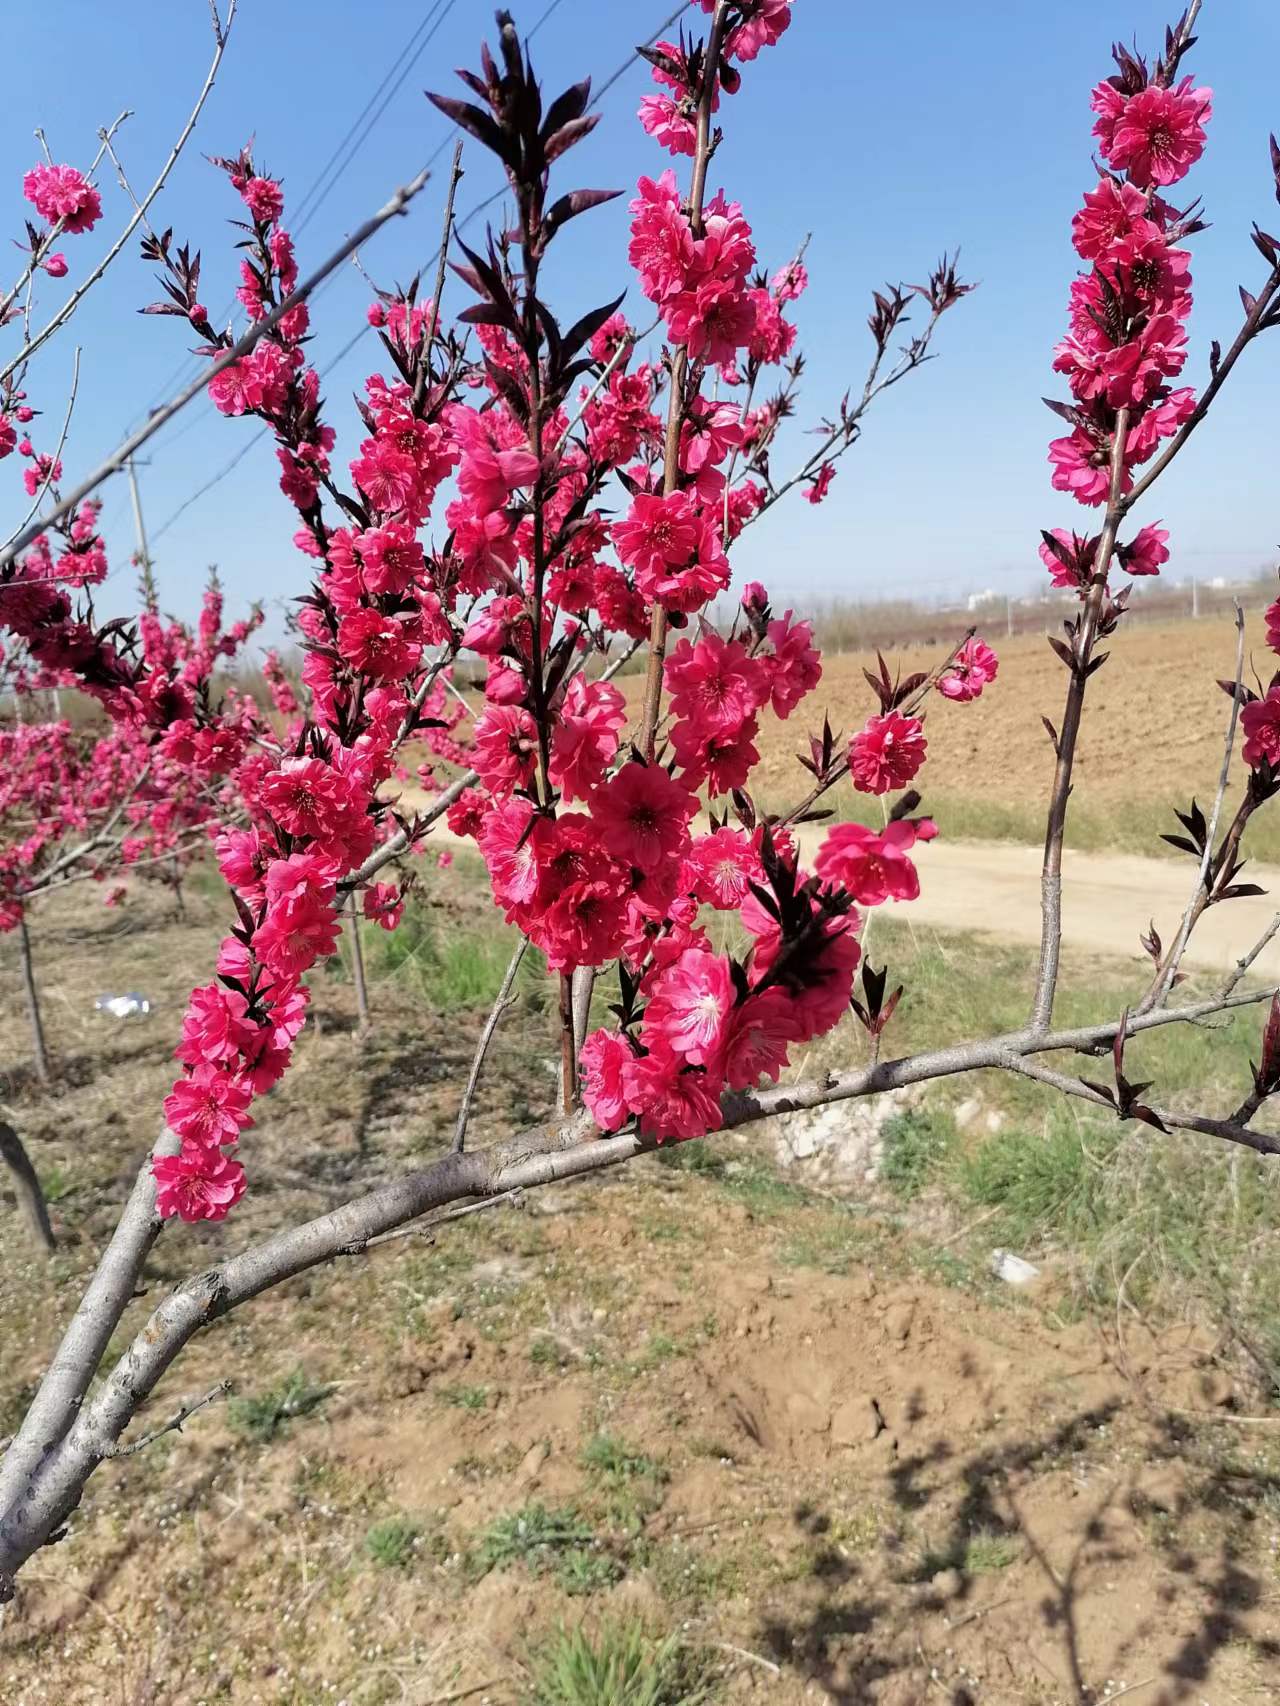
590	502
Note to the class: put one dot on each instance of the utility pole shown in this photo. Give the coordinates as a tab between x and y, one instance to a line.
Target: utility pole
1195	598
144	555
1008	615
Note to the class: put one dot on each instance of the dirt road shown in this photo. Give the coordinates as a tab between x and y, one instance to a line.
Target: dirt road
1107	899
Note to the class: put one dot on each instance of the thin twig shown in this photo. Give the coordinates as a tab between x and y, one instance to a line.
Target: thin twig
424	1228
751	1658
502	1001
183	1414
1166	973
45	484
1242	965
51	236
162	416
77	296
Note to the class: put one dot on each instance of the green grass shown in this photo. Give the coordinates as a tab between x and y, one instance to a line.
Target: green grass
621	1664
394	1543
558	1542
916	1143
262	1417
450	968
627	1481
465	1397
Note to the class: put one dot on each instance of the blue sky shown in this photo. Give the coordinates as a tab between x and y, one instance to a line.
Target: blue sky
888	133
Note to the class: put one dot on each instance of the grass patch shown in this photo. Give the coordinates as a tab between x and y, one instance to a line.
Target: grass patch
628	1481
556	1542
465	1397
451	968
621	1664
394	1543
262	1417
1050	1183
916	1142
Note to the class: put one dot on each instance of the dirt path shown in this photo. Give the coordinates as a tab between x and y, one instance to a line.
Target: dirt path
1107	899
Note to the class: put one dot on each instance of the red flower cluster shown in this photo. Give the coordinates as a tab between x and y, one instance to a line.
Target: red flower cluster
1127	340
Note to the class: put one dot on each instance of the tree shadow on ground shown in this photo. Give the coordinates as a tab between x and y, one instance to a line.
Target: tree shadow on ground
882	1623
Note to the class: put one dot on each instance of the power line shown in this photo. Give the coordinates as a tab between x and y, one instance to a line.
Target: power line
411	51
263	431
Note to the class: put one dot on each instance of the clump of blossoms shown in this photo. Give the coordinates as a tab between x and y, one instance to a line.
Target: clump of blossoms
1126	343
584	499
141	797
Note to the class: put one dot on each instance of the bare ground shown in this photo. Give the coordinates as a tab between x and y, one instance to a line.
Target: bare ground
844	1462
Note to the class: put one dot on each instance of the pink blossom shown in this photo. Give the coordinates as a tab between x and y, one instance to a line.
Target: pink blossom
759	1033
1146	552
886	753
714	683
214	1028
974	668
506	747
873	867
721	868
264	199
1114	209
820	485
197	1183
209	1107
378	646
795	667
678	1104
657	531
602	1060
1158	134
688	1008
586	737
669	126
1260	720
384	904
63	193
642	815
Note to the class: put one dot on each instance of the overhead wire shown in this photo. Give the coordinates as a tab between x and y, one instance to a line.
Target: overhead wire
235	460
311	202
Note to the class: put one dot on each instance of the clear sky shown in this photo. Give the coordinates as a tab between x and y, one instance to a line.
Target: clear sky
888	133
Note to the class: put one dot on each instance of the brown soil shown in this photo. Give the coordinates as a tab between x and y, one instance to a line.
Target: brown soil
856	1468
1153	727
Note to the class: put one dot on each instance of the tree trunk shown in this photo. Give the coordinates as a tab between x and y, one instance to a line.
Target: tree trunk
39	1051
26	1187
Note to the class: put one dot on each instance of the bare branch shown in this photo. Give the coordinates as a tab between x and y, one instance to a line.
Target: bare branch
1201	894
174	1425
1242	965
1055	828
44	485
502	1001
77	296
26	1185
